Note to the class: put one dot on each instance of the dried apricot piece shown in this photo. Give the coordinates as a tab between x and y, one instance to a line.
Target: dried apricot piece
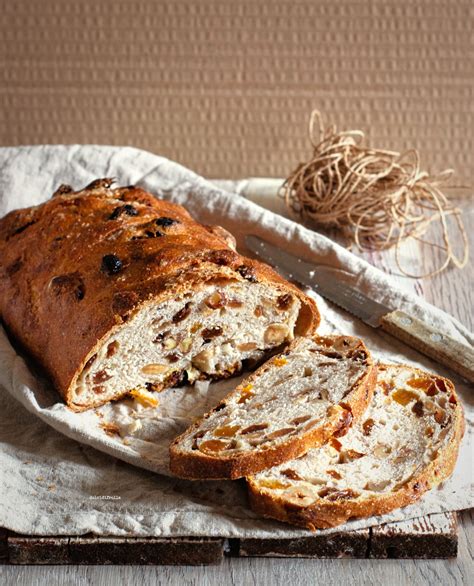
213	446
144	397
272	483
418	409
246	393
423	383
368	425
403	397
227	431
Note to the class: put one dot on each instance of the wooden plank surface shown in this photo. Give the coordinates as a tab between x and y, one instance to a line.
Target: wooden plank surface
91	550
266	571
433	536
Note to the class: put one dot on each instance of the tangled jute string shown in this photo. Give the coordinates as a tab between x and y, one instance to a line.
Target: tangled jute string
376	198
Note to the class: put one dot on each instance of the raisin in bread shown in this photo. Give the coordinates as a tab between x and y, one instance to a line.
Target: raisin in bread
406	443
111	290
294	401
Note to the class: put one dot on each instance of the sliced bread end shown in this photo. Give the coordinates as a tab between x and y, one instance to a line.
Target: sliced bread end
406	443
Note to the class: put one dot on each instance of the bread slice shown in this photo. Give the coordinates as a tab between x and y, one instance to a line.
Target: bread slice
295	401
406	443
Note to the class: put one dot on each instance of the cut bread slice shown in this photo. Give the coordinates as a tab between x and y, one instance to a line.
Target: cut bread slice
295	401
406	443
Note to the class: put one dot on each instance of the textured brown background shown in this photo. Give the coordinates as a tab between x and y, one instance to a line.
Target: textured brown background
226	86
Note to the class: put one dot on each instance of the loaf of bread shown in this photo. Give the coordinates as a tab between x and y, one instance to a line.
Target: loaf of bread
111	290
406	442
296	400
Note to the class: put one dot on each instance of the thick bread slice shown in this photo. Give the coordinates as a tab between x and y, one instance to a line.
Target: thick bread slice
295	401
114	291
406	443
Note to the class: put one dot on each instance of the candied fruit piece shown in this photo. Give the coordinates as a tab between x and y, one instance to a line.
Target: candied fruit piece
144	397
258	312
212	332
336	444
284	301
440	416
272	483
182	313
112	348
349	455
441	385
403	397
424	384
101	376
246	393
384	386
280	361
213	446
227	430
418	409
367	426
215	300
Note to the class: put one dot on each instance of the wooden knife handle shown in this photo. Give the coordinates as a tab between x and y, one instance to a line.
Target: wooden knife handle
440	347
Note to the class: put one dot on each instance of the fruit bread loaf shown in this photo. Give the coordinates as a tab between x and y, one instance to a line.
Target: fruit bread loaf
111	290
406	443
294	401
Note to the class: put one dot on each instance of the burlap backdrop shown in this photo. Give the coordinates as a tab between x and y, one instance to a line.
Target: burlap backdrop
226	87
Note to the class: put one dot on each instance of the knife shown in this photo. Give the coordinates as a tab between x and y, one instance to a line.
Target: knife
410	330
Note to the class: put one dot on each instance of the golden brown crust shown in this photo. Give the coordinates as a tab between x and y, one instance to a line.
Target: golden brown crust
324	514
197	465
58	302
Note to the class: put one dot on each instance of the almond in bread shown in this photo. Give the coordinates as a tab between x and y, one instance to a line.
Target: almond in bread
296	400
406	442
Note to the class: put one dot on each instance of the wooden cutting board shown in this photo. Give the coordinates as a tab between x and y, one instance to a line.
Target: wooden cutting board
432	536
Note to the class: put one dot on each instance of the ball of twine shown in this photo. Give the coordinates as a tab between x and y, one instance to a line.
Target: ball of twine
376	198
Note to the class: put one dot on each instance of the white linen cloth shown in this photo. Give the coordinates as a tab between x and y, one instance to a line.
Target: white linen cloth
110	485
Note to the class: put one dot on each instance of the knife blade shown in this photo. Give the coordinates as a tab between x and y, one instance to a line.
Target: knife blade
331	283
